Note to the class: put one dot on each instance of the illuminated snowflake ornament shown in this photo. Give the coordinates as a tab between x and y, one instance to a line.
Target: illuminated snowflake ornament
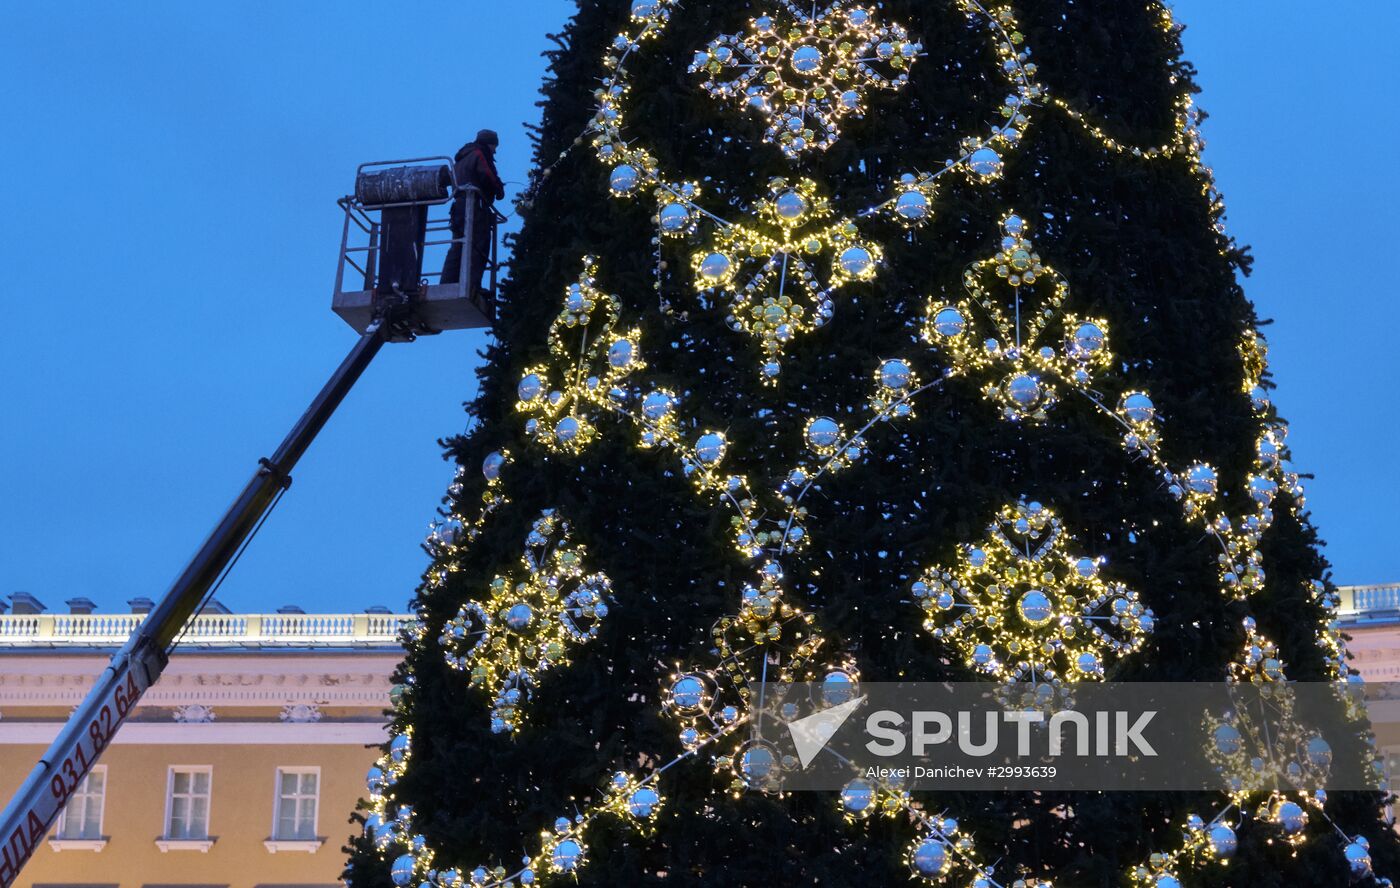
1021	608
529	622
589	359
780	267
805	70
1005	330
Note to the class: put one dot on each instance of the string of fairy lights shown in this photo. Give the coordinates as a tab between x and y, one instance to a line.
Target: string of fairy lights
1063	618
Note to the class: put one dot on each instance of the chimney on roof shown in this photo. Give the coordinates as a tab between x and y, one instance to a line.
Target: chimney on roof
141	605
290	609
80	605
24	603
377	609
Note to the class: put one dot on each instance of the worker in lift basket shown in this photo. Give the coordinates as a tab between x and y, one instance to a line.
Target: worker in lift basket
475	165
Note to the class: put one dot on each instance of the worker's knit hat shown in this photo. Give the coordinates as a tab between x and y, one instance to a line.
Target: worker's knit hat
488	137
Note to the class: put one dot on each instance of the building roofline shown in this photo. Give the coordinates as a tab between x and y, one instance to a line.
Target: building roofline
45	633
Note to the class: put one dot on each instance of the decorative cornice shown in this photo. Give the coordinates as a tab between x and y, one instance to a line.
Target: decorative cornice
263	680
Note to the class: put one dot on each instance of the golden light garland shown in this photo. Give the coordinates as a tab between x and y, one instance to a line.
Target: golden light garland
528	622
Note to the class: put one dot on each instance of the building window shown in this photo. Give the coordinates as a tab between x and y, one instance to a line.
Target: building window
82	816
297	790
187	808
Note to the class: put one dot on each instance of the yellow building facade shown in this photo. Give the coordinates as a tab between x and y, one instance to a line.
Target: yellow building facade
239	769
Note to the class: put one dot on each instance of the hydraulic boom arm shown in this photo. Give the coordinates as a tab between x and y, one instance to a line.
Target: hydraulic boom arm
141	660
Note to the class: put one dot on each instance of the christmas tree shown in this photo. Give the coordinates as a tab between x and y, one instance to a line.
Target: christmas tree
815	311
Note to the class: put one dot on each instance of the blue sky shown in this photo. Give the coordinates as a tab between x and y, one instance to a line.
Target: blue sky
169	235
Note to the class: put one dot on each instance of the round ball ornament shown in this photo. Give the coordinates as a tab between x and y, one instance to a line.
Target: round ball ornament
895	375
1290	817
984	162
688	693
823	433
530	388
714	268
1137	407
624	179
949	322
1358	856
643	802
710	448
656	406
621	354
673	217
806	60
911	206
756	763
491	466
566	855
929	858
1223	841
857	796
1319	753
397	693
856	261
566	429
838	687
1024	391
402	870
790	205
1035	608
375	781
1228	740
1088	664
1088	340
519	616
1201	479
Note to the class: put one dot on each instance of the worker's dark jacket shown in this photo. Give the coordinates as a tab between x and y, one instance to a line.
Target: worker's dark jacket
474	166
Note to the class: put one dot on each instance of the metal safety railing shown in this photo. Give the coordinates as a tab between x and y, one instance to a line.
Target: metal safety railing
206	630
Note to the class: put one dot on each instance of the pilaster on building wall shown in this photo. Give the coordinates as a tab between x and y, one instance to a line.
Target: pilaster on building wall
240	767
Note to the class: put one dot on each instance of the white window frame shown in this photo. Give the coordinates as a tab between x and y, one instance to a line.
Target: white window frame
278	843
60	842
166	842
